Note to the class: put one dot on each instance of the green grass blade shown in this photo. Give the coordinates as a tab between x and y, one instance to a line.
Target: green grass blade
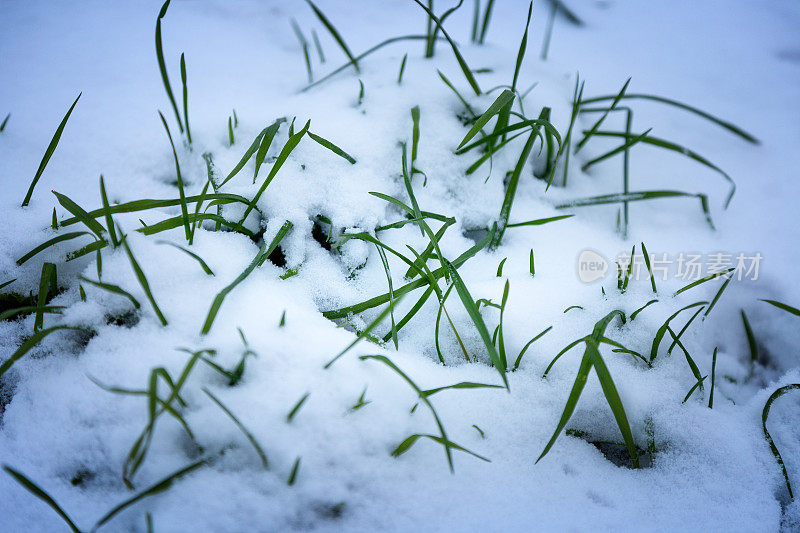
788	308
726	125
162	67
47	244
477	319
505	98
107	211
51	148
143	280
29	343
402	70
34	489
703	280
764	416
112	288
713	376
48	287
5	121
588	134
462	63
252	149
304	45
538	221
335	34
663	329
293	474
262	255
184	207
649	268
629	142
297	407
523	45
185	98
751	338
487	17
317	45
332	147
241	427
80	214
528	345
191	254
266	142
157	488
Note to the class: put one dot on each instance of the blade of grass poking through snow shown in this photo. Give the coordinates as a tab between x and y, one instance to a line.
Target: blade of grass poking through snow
107	212
402	70
511	188
191	254
523	45
414	136
34	489
185	99
461	62
7	283
45	245
477	319
505	98
29	343
116	289
297	407
668	145
476	15
528	345
784	307
162	67
335	34
713	377
241	427
48	287
230	132
764	416
591	131
252	149
751	338
304	45
639	196
649	268
260	257
5	121
80	214
538	221
157	488
719	293
142	280
266	141
663	329
593	359
48	153
287	149
293	473
727	125
184	207
487	17
630	141
332	147
703	280
317	45
388	272
567	143
431	43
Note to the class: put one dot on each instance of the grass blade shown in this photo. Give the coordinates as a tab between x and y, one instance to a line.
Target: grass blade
332	147
107	211
703	280
588	134
162	67
48	288
462	63
505	98
185	98
523	45
477	319
402	70
34	489
143	280
262	255
751	338
5	121
184	207
764	415
335	34
26	346
47	244
191	254
266	142
297	407
241	426
48	153
788	308
80	214
487	16
112	288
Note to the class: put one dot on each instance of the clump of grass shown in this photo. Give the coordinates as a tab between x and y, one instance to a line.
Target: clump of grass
48	153
593	359
424	398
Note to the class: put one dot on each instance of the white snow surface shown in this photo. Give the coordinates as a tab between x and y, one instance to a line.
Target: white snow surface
713	470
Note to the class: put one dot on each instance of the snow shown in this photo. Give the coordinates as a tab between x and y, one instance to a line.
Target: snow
713	470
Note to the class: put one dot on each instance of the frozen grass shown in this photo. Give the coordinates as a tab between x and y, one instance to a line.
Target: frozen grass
479	327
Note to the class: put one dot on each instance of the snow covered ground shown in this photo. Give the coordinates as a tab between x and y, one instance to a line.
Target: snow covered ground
324	434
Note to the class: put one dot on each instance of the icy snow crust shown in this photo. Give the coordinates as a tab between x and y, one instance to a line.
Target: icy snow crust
712	471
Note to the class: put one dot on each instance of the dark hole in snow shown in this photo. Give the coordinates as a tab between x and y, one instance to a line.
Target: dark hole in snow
128	320
81	476
618	454
277	257
330	511
321	235
13	300
8	383
475	235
